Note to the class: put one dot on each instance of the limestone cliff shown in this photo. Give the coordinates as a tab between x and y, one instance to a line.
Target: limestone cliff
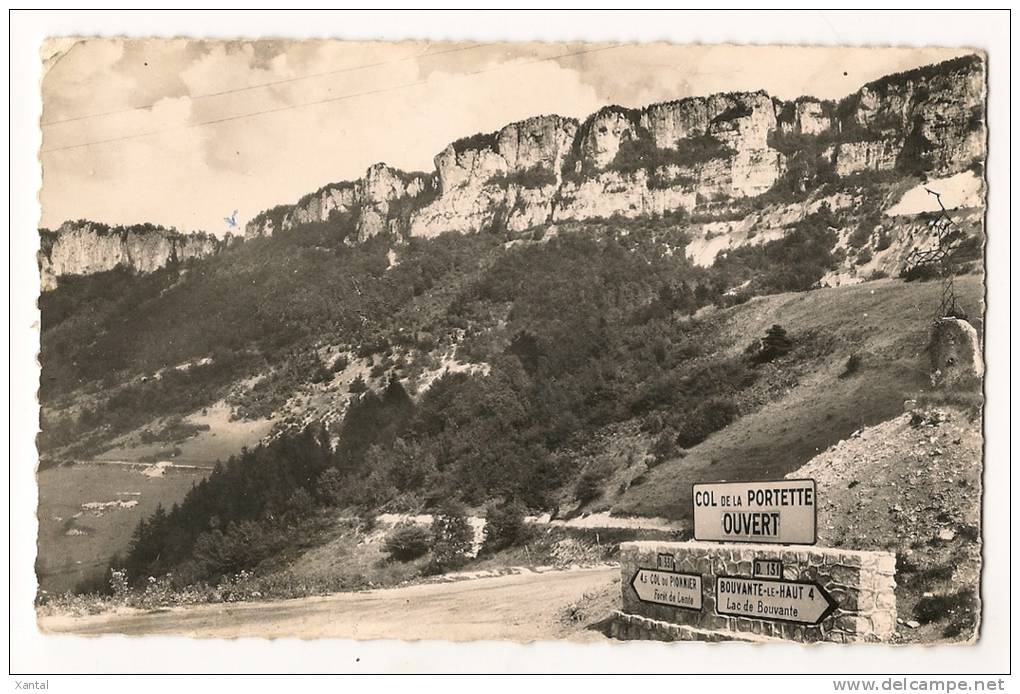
550	168
930	119
85	248
636	162
806	116
866	155
371	204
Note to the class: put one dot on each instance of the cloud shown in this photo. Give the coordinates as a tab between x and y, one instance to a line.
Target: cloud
187	174
637	74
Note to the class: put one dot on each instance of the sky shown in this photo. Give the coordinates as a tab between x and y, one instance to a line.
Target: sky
181	132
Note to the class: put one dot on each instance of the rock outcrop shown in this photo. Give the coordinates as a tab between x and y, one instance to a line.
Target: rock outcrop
806	116
85	248
695	154
508	178
955	352
637	162
906	225
371	204
551	168
866	155
936	110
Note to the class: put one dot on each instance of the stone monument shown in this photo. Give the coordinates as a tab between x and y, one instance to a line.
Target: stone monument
762	578
954	351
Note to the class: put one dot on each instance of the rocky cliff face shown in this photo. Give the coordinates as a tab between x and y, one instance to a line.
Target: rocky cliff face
930	119
369	202
866	155
636	162
689	153
509	178
551	168
85	248
806	116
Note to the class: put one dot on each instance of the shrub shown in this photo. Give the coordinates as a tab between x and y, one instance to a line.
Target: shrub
862	234
358	385
807	167
367	520
920	273
452	537
733	113
504	526
320	374
884	240
904	565
119	583
330	486
958	607
477	141
665	447
640	152
538	176
775	344
793	263
658	181
700	149
709	417
589	486
339	364
300	504
404	206
158	592
407	541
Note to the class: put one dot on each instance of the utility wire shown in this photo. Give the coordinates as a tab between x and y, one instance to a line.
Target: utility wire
262	85
334	99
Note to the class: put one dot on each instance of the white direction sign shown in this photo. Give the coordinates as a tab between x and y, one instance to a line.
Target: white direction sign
668	588
781	512
801	602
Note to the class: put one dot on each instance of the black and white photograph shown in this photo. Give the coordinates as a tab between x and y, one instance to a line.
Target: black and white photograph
580	341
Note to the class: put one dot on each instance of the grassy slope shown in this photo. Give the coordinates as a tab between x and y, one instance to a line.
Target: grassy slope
224	437
65	560
886	322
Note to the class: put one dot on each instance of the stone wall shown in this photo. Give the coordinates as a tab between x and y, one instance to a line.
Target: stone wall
861	583
632	627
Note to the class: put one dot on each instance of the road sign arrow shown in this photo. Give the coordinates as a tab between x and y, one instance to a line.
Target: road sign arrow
821	603
800	602
668	588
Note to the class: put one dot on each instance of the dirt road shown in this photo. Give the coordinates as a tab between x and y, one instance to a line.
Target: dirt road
520	607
